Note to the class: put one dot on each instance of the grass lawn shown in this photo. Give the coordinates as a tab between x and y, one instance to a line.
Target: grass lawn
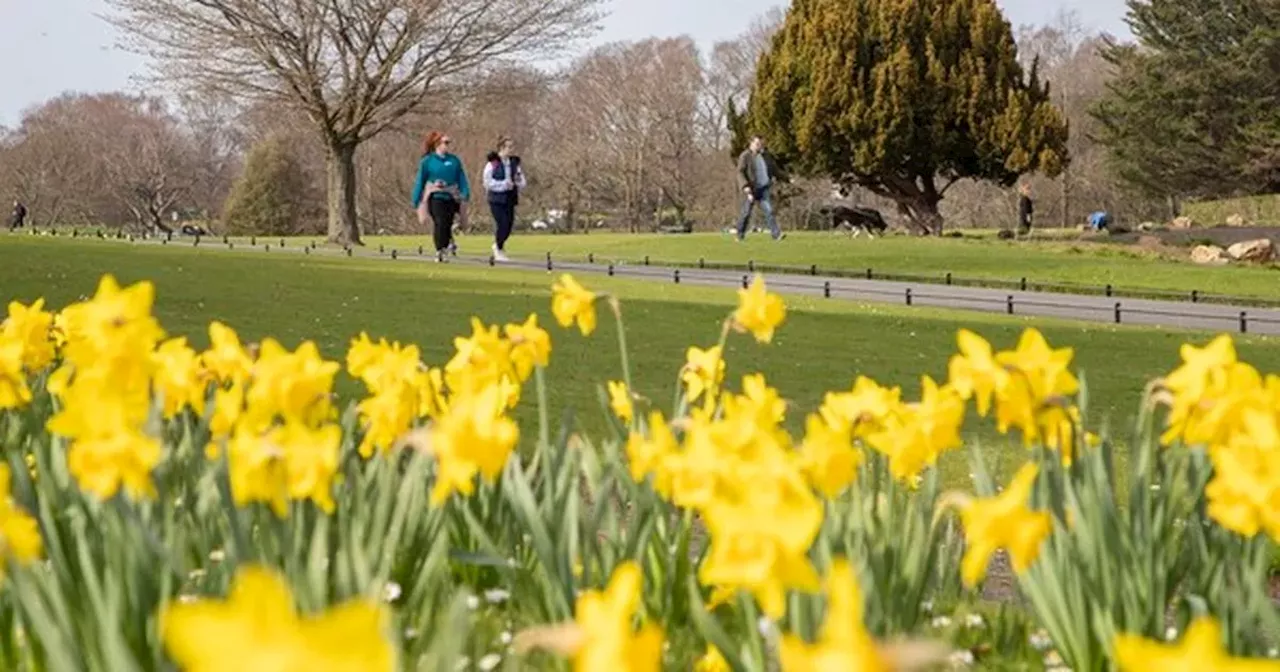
976	257
822	346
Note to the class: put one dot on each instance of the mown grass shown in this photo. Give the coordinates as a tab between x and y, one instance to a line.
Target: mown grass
823	346
979	257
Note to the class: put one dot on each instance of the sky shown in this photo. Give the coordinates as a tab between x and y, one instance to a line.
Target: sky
48	47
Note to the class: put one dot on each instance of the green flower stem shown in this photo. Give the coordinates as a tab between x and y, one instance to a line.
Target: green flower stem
616	306
756	640
544	424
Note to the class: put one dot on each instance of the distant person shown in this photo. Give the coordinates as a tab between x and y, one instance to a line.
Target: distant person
1100	221
757	173
1026	209
19	216
503	180
441	191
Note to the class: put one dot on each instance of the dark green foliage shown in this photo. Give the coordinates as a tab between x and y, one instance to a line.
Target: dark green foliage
273	195
904	98
1192	110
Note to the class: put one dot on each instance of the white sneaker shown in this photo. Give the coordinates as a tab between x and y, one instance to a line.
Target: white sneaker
499	255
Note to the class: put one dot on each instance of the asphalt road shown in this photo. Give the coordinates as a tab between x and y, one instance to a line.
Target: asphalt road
1148	312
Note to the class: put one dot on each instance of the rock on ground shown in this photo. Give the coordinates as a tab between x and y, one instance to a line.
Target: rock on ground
1209	254
1261	250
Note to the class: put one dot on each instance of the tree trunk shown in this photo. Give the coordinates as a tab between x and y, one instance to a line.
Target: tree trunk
921	213
344	229
1066	198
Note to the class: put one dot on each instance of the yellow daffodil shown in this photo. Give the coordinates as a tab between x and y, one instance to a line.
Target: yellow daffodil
530	346
843	643
104	464
605	619
1200	649
761	534
703	372
620	401
290	461
1031	387
1003	521
20	539
571	303
914	436
258	628
397	382
226	360
177	377
829	456
473	436
1244	495
14	392
289	386
864	409
759	312
483	361
381	365
387	416
974	372
115	320
30	327
602	636
431	398
645	454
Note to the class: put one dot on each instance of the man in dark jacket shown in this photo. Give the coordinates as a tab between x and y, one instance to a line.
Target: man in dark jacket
757	173
19	216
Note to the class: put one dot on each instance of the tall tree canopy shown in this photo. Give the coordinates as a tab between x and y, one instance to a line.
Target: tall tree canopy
904	98
354	67
1194	108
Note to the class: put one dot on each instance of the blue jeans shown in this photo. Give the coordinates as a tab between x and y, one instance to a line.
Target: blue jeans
759	195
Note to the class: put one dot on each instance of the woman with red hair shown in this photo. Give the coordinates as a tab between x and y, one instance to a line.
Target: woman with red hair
441	190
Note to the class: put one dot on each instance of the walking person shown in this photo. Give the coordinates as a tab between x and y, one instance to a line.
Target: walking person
19	216
1026	209
503	180
441	191
757	173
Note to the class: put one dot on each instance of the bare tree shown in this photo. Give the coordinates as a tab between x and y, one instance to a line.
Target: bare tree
1057	48
219	142
354	67
148	160
50	166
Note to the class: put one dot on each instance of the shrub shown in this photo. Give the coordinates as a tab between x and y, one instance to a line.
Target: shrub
273	195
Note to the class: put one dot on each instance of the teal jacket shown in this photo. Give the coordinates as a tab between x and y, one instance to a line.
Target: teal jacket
447	169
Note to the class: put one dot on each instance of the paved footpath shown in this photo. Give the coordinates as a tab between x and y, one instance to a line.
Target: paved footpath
1173	314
